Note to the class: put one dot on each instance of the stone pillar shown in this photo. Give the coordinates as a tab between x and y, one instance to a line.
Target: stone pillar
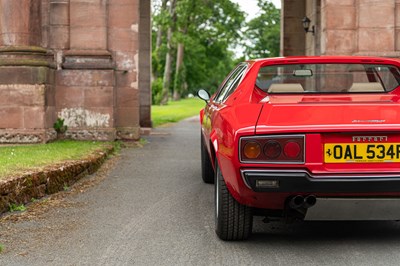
123	42
26	75
20	23
293	39
85	95
397	26
145	63
313	40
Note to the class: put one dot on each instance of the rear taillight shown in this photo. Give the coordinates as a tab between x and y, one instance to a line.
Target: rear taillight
272	149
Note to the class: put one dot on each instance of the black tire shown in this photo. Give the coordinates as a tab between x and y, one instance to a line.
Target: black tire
233	221
207	171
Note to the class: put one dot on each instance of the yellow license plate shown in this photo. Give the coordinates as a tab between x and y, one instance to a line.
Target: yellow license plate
361	152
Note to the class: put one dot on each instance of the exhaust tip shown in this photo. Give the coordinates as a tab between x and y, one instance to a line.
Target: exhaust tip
310	201
296	202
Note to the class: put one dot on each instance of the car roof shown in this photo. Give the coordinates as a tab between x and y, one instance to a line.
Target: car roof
325	59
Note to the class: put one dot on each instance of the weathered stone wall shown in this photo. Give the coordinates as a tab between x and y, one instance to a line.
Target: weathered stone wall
77	60
343	27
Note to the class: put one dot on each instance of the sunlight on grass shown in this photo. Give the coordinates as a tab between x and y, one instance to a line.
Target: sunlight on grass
18	159
176	111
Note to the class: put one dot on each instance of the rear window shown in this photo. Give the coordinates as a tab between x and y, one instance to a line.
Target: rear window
328	78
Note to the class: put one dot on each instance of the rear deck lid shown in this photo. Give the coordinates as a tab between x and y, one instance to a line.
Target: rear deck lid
329	113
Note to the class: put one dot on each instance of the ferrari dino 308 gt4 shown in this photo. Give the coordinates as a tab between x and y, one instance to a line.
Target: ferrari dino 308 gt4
313	138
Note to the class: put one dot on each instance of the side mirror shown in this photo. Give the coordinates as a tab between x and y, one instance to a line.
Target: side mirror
204	95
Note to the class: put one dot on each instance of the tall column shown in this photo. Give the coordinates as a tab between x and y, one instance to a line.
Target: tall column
85	78
145	63
123	42
26	75
20	22
293	40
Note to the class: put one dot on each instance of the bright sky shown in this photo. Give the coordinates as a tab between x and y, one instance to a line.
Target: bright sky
251	8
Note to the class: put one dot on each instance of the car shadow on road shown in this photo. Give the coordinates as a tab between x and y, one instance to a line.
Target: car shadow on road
320	231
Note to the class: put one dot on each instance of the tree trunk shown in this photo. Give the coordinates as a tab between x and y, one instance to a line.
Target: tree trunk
167	69
160	27
178	84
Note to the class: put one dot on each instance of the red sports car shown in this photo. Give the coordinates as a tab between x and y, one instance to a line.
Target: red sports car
313	138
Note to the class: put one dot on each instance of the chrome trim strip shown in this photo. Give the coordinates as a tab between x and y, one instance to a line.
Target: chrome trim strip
272	137
257	172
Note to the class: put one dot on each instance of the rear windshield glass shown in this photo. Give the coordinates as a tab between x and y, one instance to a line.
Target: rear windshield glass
328	78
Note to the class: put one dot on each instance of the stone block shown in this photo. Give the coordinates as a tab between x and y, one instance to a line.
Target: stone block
88	37
397	38
126	79
376	39
379	15
34	117
127	117
88	13
123	40
145	116
26	95
11	117
127	61
59	37
69	97
325	3
99	97
85	118
85	78
339	17
50	96
127	97
24	75
340	41
128	133
123	15
59	13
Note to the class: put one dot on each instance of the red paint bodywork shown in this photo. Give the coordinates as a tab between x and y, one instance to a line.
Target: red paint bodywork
320	117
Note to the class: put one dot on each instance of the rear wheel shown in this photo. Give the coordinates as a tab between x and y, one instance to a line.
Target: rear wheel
233	221
207	171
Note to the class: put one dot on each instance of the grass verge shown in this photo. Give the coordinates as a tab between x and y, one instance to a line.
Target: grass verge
16	160
175	111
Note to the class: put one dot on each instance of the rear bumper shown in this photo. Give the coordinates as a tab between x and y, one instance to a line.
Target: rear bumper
298	181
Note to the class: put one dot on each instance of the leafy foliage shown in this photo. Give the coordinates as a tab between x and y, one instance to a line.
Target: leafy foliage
208	30
59	126
14	207
263	32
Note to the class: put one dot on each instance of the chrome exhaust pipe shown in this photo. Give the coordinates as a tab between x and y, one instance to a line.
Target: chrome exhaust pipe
309	201
296	202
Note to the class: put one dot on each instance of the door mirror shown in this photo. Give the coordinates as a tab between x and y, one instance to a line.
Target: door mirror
204	95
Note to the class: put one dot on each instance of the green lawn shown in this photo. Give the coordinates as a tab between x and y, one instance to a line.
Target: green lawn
18	159
176	111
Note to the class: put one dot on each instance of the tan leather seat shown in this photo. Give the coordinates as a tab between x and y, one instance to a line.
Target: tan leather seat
367	87
285	88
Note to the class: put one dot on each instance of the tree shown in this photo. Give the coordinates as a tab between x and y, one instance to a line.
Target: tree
167	68
263	32
199	34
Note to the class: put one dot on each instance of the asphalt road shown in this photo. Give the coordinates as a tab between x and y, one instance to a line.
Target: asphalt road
152	208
